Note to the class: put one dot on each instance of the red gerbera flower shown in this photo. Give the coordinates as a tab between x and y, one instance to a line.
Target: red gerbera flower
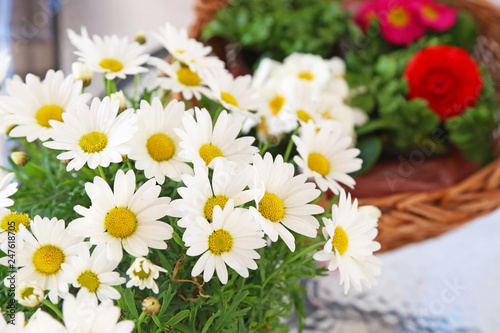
435	15
399	22
446	77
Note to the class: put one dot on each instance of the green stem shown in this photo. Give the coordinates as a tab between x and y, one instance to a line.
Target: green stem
290	145
101	173
136	84
54	308
139	321
216	115
264	149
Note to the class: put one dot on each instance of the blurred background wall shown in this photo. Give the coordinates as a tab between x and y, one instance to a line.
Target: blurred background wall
38	27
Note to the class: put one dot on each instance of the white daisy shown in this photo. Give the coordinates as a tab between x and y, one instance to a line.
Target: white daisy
94	272
82	314
276	117
93	137
29	294
350	244
9	224
14	323
303	106
265	71
200	196
203	145
231	239
326	156
155	147
4	64
283	200
143	274
187	50
43	253
7	188
333	108
123	216
117	57
33	104
311	71
234	94
180	79
82	72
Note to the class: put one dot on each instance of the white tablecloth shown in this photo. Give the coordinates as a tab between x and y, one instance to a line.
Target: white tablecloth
445	284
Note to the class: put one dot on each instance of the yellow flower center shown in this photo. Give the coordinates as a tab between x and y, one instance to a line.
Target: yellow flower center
208	152
399	17
340	241
317	162
160	147
17	218
89	280
188	77
111	64
93	142
180	51
430	13
120	222
49	112
47	259
271	207
306	76
228	98
220	241
304	116
276	104
27	292
218	200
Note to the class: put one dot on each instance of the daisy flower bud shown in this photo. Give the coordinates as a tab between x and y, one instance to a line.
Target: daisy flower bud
141	38
82	72
120	97
151	305
29	294
143	274
19	158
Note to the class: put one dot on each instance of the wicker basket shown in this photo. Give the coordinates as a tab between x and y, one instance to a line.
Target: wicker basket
415	216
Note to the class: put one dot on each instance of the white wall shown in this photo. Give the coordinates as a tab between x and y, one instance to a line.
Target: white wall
120	17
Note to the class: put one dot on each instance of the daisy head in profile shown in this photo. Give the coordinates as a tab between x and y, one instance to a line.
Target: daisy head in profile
115	57
350	244
231	239
283	200
32	105
155	147
325	155
97	136
123	218
187	51
203	144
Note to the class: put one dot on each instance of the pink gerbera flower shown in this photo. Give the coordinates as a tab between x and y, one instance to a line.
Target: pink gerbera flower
399	22
435	15
366	14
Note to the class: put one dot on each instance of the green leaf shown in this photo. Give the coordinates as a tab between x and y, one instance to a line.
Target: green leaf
370	149
386	67
178	318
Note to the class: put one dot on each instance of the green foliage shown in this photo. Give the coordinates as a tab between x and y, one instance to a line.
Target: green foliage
375	67
278	28
252	304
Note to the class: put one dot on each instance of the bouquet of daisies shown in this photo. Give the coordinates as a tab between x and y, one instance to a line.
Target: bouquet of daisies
135	211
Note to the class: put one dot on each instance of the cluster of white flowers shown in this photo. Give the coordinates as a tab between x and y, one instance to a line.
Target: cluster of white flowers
222	172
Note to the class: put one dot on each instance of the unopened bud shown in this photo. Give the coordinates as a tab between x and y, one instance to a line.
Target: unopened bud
82	72
151	305
140	38
19	158
120	97
29	294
